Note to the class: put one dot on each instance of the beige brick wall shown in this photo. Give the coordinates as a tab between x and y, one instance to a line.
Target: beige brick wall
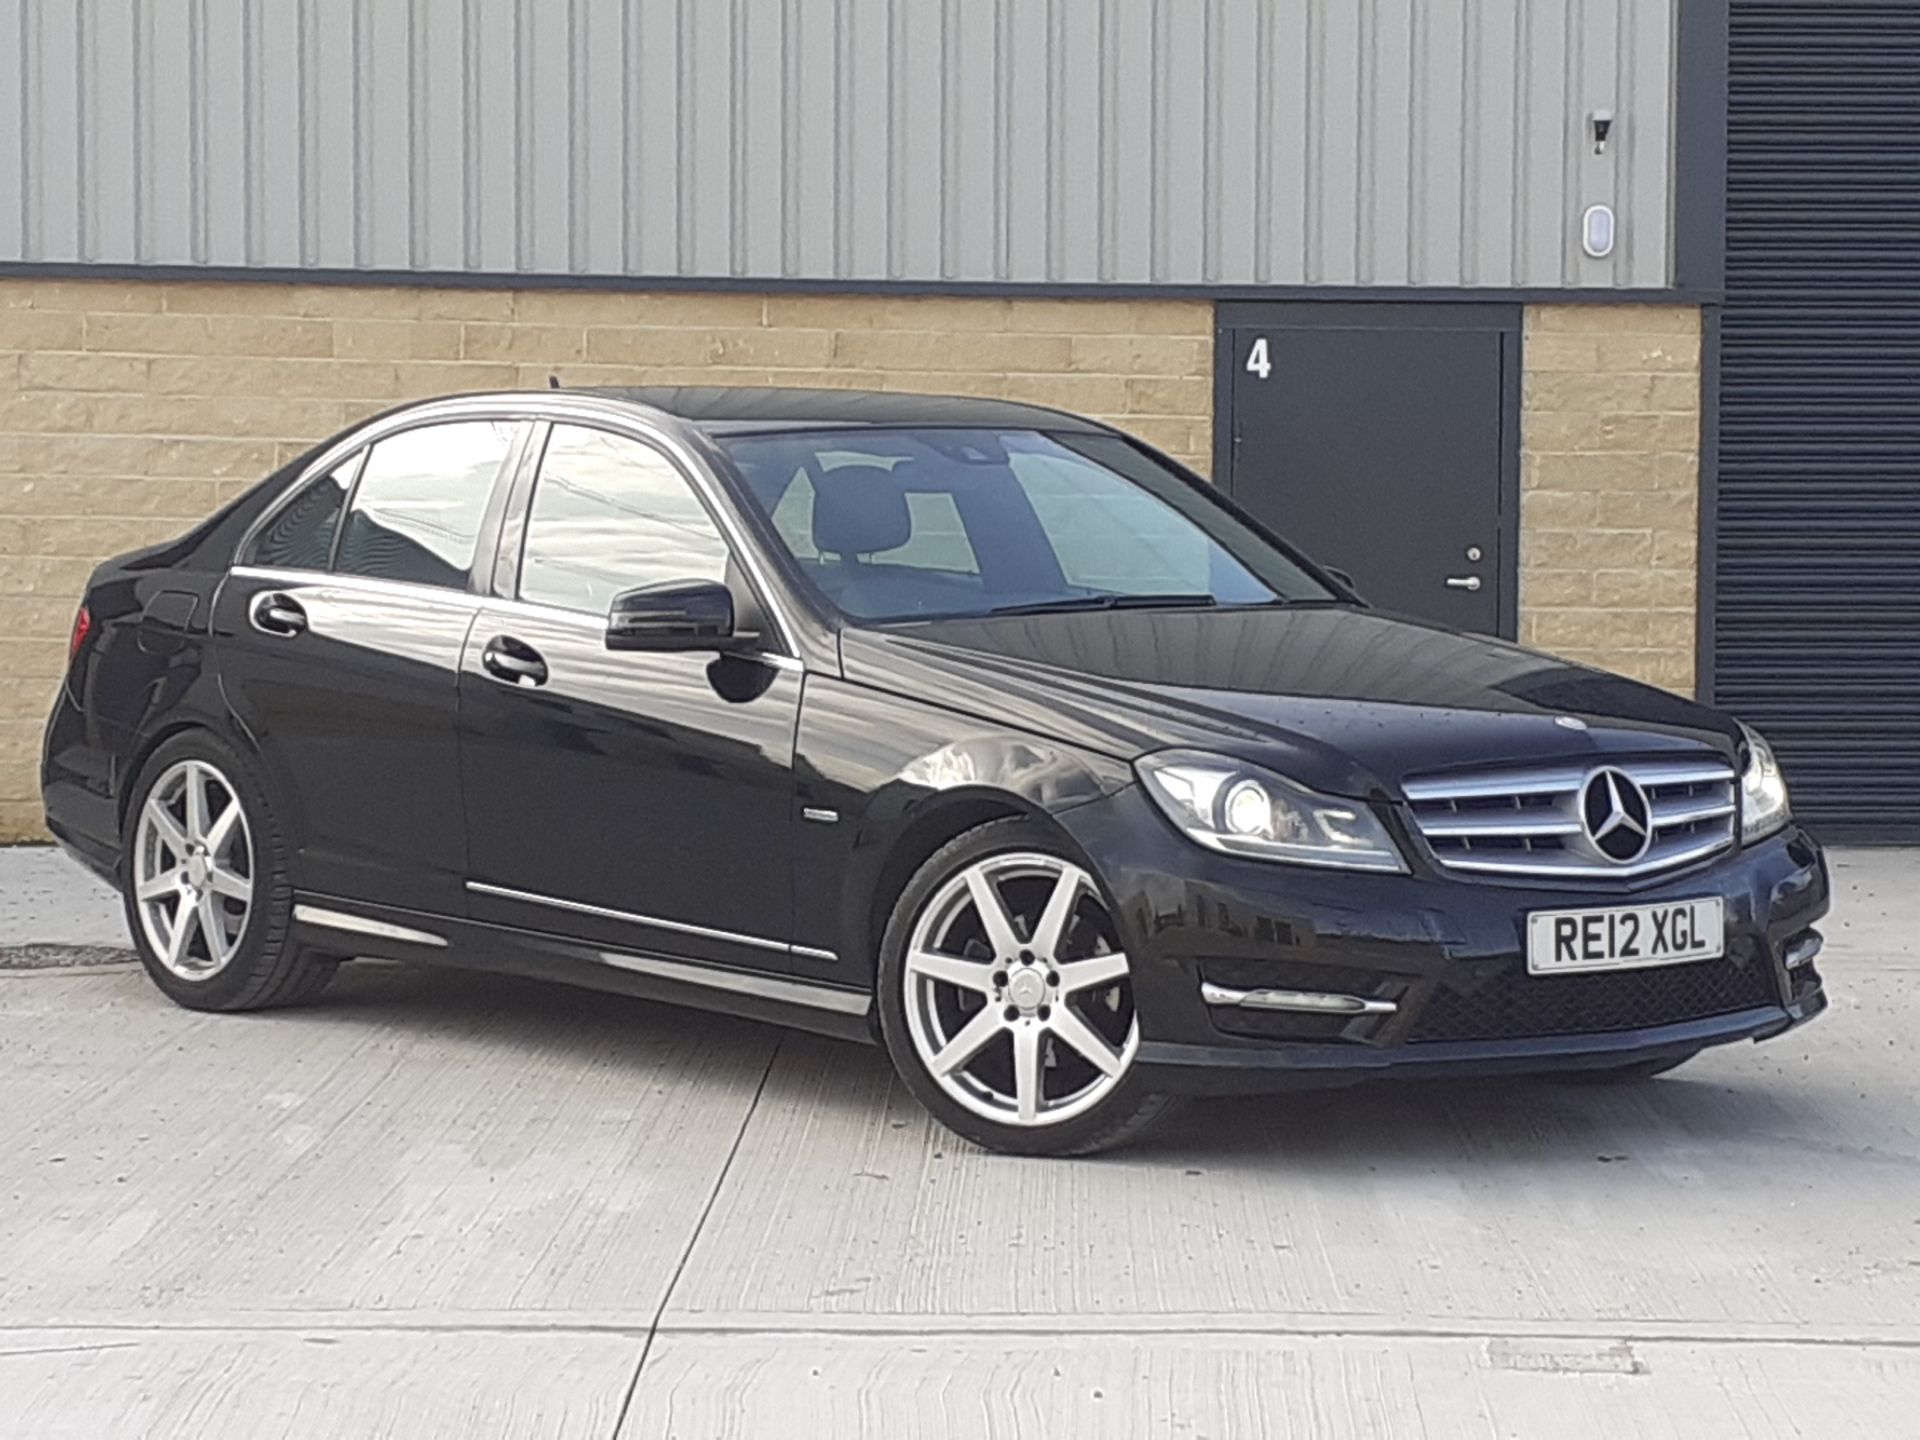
127	410
1610	485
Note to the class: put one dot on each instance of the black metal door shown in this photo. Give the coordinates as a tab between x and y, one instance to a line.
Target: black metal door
1384	449
1814	580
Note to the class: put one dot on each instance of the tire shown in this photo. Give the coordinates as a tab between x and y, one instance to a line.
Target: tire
1013	1008
1632	1074
237	885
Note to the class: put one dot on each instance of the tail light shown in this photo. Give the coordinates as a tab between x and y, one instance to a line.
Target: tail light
82	628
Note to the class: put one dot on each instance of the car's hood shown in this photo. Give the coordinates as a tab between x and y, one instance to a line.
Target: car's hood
1344	699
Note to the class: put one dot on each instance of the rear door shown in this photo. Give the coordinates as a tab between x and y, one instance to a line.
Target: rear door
338	641
639	801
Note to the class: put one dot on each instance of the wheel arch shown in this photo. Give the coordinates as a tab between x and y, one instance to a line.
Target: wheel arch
144	750
148	744
937	821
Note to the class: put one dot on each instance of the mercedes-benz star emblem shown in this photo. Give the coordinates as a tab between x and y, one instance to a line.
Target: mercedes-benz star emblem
1618	819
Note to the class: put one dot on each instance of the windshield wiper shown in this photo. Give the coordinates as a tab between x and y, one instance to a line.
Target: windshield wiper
1108	602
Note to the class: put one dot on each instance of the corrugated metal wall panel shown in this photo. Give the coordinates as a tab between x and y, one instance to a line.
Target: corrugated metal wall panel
1339	142
1816	601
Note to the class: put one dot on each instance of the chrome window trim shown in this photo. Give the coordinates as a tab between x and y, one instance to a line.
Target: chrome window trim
740	982
360	925
682	927
556	406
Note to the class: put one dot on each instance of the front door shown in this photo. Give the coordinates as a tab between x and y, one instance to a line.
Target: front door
1384	445
639	801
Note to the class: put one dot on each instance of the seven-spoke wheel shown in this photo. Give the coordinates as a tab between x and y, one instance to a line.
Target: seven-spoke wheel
207	892
1013	997
193	869
1017	1000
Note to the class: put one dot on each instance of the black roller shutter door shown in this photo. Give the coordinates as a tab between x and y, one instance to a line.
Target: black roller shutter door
1816	584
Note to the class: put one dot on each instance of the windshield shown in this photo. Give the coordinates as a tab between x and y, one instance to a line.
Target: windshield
930	524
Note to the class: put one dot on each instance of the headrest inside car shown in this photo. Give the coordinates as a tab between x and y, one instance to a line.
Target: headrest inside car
858	510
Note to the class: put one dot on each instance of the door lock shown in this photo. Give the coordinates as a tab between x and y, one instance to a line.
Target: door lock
1463	582
1473	552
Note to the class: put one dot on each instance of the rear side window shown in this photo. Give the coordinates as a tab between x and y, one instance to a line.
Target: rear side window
611	514
417	509
300	536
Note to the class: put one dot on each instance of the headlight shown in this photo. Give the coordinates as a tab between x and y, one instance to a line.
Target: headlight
1763	792
1244	810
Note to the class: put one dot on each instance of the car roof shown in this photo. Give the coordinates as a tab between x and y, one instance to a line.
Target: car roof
740	409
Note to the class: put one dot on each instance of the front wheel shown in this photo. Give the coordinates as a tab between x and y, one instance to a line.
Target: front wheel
1006	1000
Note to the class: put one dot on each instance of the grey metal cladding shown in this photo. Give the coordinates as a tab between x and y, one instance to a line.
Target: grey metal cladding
1232	142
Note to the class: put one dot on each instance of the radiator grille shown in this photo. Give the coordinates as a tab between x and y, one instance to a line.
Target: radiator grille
1533	822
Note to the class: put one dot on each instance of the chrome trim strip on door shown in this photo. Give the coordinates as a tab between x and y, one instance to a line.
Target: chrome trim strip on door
682	927
361	925
810	952
1304	1002
765	987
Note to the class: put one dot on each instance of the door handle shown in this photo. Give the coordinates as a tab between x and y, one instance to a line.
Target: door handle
1463	582
275	614
513	661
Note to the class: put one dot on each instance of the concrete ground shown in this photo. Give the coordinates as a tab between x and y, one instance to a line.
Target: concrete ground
442	1204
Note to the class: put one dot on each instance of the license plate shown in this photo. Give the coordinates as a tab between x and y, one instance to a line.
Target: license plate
1627	937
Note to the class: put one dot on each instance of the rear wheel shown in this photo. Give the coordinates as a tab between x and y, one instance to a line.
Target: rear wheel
205	883
1006	1000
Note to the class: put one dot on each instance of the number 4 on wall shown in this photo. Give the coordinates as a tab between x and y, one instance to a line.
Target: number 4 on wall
1257	361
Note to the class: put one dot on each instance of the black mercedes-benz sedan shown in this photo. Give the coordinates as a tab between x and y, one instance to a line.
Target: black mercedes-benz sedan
976	729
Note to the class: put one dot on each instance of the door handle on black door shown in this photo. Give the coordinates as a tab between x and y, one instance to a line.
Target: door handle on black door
513	661
276	614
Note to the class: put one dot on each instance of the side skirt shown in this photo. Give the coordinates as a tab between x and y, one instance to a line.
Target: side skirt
360	930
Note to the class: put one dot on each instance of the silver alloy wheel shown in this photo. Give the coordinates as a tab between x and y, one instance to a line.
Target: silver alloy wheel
193	870
1019	1004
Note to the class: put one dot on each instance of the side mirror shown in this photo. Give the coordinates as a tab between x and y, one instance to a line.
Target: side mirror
673	615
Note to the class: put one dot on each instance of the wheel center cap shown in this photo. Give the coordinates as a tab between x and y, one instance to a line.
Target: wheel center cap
1027	988
197	867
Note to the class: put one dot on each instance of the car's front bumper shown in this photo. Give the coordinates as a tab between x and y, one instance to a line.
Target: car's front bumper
1443	956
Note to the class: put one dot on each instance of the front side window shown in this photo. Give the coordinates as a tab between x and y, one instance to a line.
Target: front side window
918	524
417	509
300	535
611	514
